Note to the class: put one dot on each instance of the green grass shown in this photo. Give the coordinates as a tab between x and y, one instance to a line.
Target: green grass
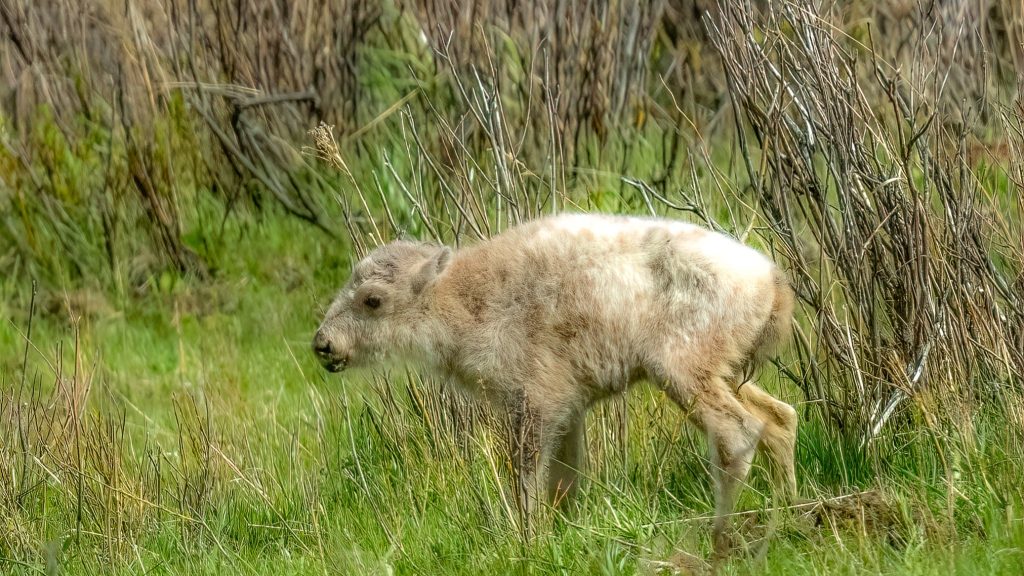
212	443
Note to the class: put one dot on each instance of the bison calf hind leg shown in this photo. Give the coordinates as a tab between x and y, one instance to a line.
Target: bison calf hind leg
778	439
733	435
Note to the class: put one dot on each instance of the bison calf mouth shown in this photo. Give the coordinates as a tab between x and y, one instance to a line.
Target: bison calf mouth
332	363
335	365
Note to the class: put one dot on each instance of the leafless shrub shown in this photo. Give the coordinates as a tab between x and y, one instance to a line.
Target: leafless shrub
900	255
185	96
585	62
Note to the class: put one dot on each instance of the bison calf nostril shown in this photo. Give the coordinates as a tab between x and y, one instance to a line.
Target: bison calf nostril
321	345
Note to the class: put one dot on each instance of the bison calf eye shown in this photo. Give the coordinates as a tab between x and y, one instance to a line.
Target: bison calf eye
372	302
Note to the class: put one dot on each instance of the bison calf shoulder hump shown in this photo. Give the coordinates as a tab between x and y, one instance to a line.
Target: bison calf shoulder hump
551	316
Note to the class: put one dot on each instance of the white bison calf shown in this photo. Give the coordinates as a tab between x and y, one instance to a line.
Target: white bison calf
549	317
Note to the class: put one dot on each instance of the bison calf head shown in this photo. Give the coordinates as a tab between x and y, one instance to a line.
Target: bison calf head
382	308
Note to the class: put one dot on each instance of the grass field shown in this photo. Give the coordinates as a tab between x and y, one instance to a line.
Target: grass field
171	235
209	441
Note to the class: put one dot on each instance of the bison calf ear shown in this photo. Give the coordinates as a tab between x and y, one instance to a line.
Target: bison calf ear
431	269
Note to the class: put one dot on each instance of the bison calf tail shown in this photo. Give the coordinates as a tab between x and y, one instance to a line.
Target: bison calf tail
779	325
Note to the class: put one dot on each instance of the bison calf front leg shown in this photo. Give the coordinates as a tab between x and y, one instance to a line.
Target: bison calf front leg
530	452
538	438
567	462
